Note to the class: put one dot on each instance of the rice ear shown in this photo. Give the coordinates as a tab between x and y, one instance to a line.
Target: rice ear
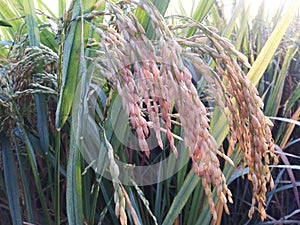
154	77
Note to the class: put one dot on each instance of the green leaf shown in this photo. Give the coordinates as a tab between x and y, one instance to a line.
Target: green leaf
182	197
108	199
295	97
72	61
5	24
25	184
95	194
143	18
11	180
42	121
61	7
57	179
74	186
32	161
31	23
69	69
267	53
195	204
45	9
48	39
71	82
40	99
273	104
237	12
9	13
202	10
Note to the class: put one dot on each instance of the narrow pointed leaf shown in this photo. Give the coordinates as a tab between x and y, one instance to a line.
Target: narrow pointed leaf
71	63
202	10
33	165
9	13
57	178
181	198
143	18
69	70
5	24
11	181
25	184
295	97
61	7
274	102
267	53
74	186
40	99
31	23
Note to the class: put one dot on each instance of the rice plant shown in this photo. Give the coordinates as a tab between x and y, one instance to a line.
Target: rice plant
115	114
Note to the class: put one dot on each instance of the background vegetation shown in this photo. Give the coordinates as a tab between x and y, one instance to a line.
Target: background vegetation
44	180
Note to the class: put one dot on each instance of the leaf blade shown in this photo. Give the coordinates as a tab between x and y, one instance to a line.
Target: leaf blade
11	183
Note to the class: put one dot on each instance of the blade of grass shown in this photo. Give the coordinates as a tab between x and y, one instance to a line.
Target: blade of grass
8	14
134	203
11	180
75	204
272	44
196	204
25	184
57	179
144	18
42	121
74	186
95	193
86	190
182	197
74	182
48	39
293	167
61	7
259	28
32	161
4	23
294	98
273	104
158	197
232	22
40	99
108	199
242	33
202	10
291	174
182	9
31	23
69	69
291	126
71	61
